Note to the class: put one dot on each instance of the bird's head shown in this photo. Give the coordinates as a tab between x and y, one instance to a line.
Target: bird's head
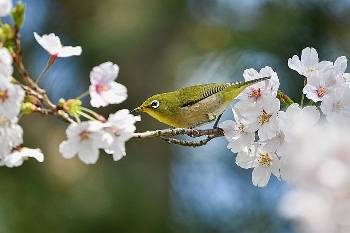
160	107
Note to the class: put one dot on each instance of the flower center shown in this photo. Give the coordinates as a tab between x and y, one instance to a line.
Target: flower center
321	92
310	69
264	117
116	133
3	95
240	128
264	159
101	88
84	135
338	106
255	94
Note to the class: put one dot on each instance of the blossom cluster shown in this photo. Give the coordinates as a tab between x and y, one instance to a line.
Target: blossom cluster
11	133
264	136
85	138
309	146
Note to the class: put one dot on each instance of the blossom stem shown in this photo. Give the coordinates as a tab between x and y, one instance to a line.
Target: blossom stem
82	95
303	95
77	118
90	112
87	116
49	64
20	116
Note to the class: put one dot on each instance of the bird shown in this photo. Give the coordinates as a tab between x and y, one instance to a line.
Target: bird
194	106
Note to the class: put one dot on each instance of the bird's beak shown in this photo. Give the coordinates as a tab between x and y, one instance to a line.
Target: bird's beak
138	109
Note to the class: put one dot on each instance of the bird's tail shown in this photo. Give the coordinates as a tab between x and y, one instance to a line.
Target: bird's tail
250	82
236	88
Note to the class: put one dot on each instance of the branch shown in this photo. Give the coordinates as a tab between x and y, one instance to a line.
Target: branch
53	110
31	88
194	133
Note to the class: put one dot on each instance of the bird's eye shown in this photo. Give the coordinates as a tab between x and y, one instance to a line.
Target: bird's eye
155	104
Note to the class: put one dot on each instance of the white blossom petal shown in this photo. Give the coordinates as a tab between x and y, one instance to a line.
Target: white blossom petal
5	7
260	176
52	44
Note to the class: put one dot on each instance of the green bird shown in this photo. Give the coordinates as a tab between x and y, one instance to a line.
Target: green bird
193	106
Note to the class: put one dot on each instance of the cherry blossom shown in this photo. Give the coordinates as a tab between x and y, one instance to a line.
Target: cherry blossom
263	162
11	96
17	157
103	89
309	63
52	44
85	139
121	129
259	90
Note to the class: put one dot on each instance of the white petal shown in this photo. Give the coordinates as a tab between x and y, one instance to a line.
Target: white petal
250	74
288	168
68	149
104	73
52	44
96	99
244	160
260	176
309	56
88	154
5	7
116	94
6	67
16	158
68	51
295	64
311	93
310	115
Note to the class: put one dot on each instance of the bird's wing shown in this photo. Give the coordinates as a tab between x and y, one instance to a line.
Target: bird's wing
194	94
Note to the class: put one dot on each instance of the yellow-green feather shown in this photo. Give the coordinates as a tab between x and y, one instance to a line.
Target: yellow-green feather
194	104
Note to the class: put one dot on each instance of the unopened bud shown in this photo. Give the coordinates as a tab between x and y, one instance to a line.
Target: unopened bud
61	102
17	14
33	100
27	108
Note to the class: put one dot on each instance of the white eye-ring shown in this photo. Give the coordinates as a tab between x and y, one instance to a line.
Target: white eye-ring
155	104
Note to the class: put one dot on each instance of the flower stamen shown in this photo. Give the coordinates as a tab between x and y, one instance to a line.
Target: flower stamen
321	92
264	118
3	95
255	94
101	88
84	135
264	159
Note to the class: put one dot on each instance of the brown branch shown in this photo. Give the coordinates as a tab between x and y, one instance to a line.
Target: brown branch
188	143
60	114
17	58
166	134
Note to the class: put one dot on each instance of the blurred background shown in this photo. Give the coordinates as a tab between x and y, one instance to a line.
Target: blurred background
159	45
